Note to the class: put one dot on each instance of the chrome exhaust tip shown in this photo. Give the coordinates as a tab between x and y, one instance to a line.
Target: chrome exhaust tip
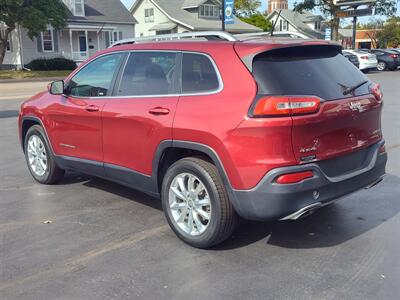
305	211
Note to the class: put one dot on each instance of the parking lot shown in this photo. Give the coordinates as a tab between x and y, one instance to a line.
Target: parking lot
86	238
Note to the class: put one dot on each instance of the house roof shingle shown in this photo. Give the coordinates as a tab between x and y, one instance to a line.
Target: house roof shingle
104	11
299	21
173	8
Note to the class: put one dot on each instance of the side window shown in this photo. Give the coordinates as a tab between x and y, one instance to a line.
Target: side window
149	73
95	79
198	74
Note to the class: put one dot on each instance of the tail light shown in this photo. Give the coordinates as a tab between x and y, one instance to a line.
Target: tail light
294	177
393	55
364	57
285	106
376	91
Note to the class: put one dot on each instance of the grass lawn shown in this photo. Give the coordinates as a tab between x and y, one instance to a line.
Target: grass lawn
7	74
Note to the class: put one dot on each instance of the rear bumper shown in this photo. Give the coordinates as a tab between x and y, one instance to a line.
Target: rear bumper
393	64
368	65
272	201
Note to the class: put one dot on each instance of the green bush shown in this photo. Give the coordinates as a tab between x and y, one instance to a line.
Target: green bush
51	64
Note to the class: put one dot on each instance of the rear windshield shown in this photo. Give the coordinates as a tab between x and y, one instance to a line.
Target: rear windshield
307	70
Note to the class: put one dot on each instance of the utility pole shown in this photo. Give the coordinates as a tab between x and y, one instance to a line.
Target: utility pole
354	28
223	15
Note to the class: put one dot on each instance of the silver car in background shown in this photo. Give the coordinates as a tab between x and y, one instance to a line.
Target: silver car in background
367	60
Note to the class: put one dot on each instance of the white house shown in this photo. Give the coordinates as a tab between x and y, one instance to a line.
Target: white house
92	25
305	23
176	16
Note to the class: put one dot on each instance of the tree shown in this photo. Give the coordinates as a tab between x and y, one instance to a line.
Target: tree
382	7
246	8
33	15
259	21
389	36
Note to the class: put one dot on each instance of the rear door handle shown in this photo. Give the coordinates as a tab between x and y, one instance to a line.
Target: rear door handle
92	108
159	111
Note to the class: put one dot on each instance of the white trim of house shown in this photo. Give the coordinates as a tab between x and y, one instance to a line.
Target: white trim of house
283	17
82	14
138	2
52	41
89	27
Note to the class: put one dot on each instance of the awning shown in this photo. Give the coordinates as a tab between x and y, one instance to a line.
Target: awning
163	26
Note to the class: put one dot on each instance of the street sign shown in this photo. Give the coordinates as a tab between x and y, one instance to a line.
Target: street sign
328	34
228	11
352	2
353	13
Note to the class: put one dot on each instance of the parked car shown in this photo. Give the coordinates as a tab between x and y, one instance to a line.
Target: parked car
171	119
352	58
397	50
387	59
367	60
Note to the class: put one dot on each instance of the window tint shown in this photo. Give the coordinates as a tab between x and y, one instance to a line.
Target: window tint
198	74
95	79
308	70
149	73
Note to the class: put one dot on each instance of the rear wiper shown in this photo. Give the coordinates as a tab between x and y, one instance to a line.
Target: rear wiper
351	89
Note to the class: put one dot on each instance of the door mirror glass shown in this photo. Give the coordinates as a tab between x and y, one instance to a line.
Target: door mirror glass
57	87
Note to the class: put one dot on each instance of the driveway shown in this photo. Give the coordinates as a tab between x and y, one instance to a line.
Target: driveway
86	238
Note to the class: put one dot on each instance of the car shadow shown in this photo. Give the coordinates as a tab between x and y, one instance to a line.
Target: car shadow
113	188
331	225
8	114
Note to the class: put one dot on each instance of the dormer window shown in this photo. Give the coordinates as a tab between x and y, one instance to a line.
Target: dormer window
317	25
209	11
79	8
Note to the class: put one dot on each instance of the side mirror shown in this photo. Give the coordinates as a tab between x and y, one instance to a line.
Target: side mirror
57	87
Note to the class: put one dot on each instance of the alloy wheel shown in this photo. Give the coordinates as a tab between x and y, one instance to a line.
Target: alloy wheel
381	66
189	203
37	156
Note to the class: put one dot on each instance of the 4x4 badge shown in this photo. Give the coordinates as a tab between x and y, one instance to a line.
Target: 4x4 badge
356	106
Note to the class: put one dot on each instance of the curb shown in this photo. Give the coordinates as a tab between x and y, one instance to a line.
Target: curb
37	79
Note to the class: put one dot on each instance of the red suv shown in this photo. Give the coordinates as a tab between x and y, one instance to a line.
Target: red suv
265	129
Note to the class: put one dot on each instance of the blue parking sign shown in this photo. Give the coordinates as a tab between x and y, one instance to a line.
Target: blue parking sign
228	11
328	34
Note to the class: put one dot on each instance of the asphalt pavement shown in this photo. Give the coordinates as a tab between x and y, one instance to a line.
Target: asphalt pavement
87	238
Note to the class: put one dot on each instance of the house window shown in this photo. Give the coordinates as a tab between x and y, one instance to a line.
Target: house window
8	45
117	36
209	11
79	8
283	25
317	25
47	41
149	15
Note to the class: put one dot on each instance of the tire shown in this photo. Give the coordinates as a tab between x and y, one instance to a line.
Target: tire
40	159
381	66
221	216
393	69
365	71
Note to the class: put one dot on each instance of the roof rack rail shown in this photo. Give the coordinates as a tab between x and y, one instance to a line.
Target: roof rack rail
242	36
208	35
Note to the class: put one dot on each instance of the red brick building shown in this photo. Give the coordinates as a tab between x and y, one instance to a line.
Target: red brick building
276	5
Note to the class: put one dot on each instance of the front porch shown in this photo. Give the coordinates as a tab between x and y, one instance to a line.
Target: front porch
80	42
